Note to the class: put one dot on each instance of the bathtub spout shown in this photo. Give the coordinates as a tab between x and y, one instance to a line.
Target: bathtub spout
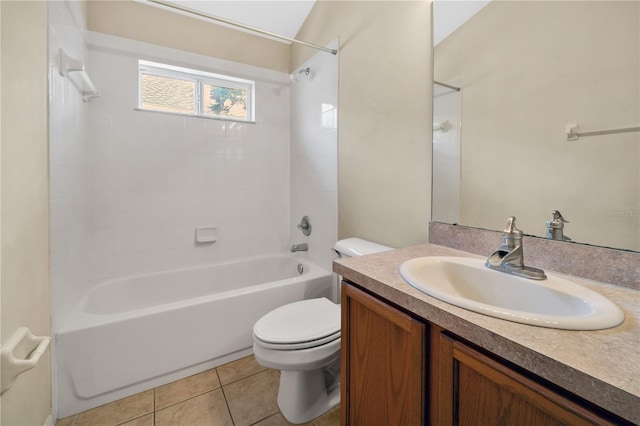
299	247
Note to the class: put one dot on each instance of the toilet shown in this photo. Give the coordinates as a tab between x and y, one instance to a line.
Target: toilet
302	340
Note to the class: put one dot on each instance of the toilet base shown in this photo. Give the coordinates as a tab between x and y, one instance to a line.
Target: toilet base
306	395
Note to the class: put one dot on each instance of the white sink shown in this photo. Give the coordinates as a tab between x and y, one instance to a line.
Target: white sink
554	303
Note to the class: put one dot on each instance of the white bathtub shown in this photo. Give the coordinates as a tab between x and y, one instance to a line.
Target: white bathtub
131	334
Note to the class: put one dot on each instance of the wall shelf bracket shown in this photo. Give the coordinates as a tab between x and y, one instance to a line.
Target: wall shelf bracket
68	65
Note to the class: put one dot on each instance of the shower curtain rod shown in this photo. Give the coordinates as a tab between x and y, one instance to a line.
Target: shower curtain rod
239	25
457	89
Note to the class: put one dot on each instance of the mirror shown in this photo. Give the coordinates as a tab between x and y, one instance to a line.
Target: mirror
529	73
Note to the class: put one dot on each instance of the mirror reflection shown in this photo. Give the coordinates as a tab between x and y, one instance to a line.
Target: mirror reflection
546	120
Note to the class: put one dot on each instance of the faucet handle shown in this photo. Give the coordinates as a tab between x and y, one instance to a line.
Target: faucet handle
511	229
305	226
558	216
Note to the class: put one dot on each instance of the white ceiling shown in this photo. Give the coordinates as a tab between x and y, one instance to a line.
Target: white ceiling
448	15
283	17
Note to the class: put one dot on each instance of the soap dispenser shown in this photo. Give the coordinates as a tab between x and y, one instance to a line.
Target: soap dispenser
555	227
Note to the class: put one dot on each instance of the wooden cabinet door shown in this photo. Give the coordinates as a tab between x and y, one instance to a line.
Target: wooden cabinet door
382	363
478	390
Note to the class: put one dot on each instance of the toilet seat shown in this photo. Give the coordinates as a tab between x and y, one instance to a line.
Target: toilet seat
299	325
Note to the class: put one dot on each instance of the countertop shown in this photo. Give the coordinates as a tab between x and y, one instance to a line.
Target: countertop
600	366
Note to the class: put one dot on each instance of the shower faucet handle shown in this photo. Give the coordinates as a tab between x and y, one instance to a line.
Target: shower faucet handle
305	226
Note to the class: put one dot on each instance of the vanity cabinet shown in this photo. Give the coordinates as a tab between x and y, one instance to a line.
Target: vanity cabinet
477	389
400	370
382	363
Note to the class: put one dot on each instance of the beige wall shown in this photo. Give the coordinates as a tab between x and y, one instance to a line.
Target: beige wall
150	24
528	69
384	114
24	214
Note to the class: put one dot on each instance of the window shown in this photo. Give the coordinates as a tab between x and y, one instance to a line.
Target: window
185	91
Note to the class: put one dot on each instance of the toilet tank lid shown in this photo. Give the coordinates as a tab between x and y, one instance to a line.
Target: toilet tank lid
358	247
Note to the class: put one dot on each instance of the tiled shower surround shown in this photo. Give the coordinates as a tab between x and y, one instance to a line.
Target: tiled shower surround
67	162
129	187
314	155
152	178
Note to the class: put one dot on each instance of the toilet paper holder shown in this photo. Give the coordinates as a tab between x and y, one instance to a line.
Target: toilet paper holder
21	353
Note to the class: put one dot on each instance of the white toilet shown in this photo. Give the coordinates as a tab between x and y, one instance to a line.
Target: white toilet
302	340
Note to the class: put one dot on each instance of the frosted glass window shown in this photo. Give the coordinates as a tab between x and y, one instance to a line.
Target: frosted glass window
166	88
167	94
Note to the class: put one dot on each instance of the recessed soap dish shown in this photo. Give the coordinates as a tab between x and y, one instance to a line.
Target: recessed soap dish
207	234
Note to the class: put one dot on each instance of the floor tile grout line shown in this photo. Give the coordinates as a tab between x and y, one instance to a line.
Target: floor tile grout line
134	418
269	416
187	399
224	395
243	377
246	377
154	407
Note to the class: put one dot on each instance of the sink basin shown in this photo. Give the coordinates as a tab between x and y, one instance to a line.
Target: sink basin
553	303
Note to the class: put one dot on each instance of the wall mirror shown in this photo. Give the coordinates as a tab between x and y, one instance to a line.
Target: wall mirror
547	118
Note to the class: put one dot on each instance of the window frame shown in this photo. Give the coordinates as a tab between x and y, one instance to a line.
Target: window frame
200	78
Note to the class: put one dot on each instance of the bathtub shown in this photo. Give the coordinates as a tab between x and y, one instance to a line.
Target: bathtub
131	334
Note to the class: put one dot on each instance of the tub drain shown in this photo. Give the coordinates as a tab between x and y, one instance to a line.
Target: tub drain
300	268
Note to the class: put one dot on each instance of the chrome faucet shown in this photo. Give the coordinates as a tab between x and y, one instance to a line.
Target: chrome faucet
555	227
299	247
305	226
509	257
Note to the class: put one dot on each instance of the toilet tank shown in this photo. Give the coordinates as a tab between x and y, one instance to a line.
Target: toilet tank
351	247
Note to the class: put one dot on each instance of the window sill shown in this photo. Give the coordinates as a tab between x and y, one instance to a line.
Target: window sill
235	120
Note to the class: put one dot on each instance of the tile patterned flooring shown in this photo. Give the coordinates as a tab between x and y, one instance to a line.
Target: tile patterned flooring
240	393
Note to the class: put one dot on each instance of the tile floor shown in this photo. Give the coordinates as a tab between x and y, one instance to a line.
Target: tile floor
240	393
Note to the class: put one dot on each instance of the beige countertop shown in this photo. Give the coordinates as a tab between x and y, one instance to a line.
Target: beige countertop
600	366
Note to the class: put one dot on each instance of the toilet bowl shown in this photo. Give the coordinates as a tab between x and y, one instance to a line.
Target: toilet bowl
302	340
